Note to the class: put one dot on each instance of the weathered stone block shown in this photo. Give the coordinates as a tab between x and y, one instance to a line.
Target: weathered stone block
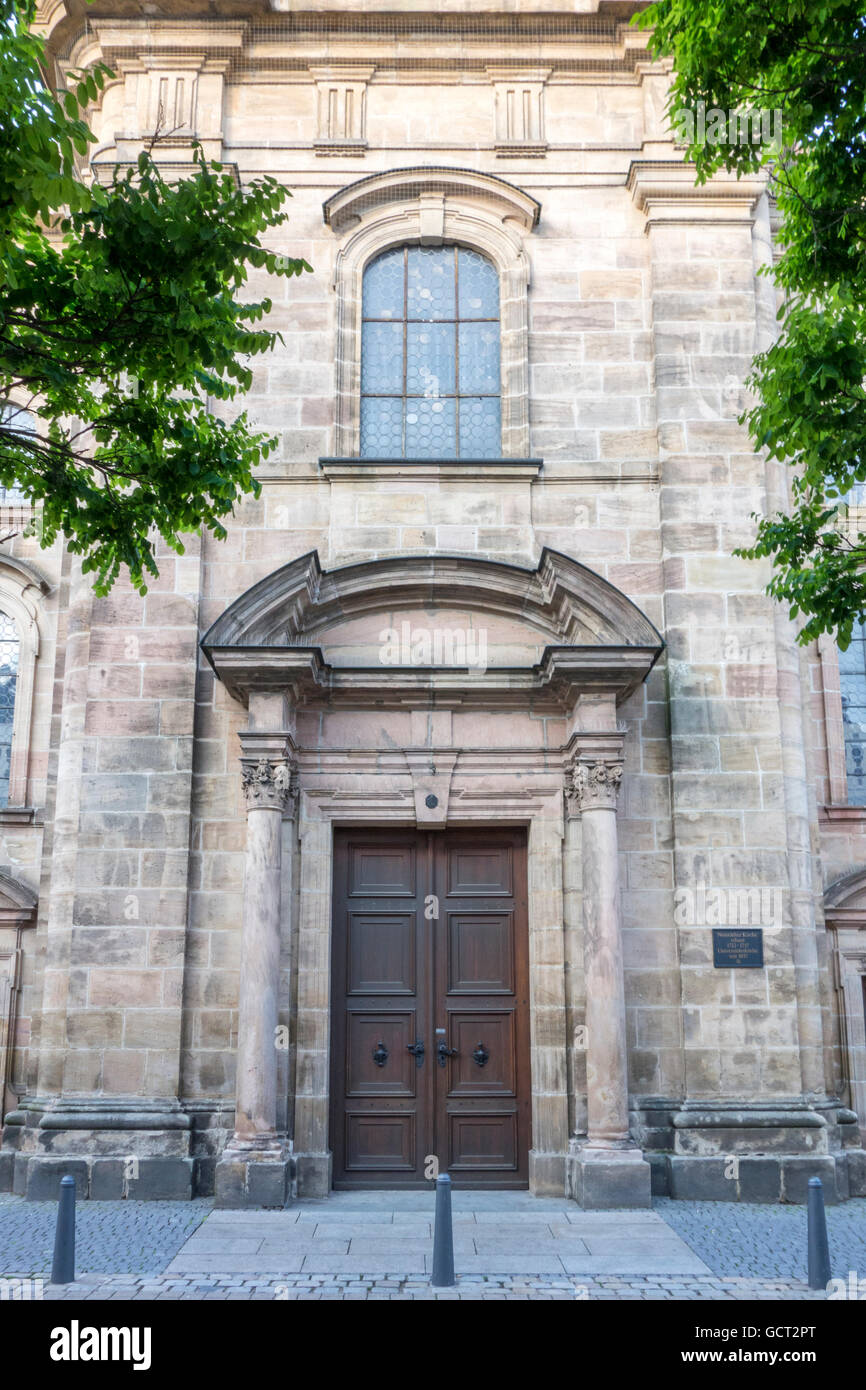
797	1171
43	1174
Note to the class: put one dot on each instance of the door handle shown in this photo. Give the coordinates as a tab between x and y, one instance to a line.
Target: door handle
442	1052
417	1050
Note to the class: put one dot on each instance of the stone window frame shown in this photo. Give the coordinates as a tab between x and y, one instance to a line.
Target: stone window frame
433	208
21	590
837	806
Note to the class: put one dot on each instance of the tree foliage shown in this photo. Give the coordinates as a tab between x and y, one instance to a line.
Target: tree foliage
121	322
806	59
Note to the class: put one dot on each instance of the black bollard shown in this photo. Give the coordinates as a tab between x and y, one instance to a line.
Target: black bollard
819	1249
443	1237
63	1267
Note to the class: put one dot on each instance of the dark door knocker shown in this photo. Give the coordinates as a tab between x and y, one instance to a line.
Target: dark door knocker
481	1055
380	1055
417	1050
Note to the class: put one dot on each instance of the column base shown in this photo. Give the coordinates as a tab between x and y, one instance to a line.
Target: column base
757	1151
115	1147
315	1174
600	1179
250	1176
547	1176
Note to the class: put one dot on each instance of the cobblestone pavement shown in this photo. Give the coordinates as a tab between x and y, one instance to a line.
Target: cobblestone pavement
379	1287
110	1237
732	1238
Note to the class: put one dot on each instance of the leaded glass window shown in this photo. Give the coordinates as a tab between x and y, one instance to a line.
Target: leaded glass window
852	678
10	648
20	420
430	355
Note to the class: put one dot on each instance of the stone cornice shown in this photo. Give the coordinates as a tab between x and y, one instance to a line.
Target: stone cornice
665	190
552	686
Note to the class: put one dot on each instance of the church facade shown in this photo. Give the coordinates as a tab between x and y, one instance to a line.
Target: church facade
469	808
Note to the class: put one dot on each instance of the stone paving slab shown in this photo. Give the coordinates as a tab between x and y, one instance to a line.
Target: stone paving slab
494	1233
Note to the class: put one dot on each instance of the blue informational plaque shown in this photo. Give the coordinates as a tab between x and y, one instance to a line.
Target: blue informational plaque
738	946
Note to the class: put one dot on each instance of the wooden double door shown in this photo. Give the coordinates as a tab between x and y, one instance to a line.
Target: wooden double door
430	1047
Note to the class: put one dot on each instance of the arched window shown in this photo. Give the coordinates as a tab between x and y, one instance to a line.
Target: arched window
10	653
852	685
21	425
430	378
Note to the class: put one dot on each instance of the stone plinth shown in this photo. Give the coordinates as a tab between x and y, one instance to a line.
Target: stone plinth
602	1178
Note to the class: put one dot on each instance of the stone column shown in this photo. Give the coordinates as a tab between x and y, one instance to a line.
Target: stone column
606	1169
254	1168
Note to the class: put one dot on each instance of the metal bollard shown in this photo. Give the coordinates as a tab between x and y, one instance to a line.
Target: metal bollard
63	1266
819	1249
443	1237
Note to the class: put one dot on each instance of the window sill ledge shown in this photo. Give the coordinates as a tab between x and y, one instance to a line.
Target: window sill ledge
842	813
462	470
17	815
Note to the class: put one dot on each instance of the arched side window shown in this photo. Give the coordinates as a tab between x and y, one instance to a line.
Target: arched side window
430	355
851	786
21	425
22	590
852	685
10	660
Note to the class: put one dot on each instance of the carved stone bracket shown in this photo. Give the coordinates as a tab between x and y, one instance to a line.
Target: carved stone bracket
597	784
268	784
593	772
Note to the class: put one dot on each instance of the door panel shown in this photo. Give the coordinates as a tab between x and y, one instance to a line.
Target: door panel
381	956
377	1060
380	1143
485	1063
480	953
484	1142
430	953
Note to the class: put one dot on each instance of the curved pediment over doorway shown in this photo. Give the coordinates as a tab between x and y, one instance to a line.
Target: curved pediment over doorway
411	627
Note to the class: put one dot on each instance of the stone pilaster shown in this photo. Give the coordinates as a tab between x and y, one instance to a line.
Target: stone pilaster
254	1169
606	1169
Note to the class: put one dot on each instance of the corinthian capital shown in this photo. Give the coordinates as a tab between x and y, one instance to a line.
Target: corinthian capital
267	783
596	784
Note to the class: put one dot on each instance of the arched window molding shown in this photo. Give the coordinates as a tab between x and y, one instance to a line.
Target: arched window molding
21	590
431	207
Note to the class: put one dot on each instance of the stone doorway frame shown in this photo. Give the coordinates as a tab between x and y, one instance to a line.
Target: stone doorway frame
271	648
537	810
845	916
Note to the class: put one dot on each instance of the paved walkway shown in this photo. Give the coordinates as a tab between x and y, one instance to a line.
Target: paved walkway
377	1246
391	1233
